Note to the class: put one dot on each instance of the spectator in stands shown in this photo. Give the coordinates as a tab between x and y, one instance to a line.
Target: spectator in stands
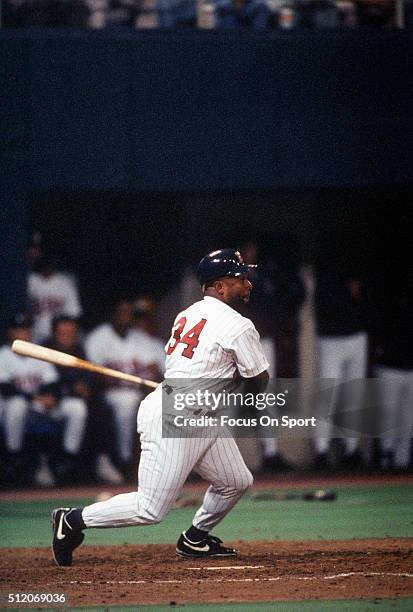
80	384
319	15
23	13
243	14
341	353
30	387
394	354
115	344
50	293
176	13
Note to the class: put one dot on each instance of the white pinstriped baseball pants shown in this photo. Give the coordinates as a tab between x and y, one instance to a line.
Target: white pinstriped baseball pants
396	413
164	466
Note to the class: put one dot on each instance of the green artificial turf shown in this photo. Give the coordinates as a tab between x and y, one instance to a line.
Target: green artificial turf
358	512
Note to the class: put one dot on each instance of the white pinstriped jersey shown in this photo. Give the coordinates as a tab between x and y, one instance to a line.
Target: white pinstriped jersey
212	340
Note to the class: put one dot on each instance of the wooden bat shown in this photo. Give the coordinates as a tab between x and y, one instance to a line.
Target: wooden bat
29	349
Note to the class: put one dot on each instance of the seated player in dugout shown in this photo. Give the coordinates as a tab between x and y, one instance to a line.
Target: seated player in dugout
117	344
210	340
83	386
32	387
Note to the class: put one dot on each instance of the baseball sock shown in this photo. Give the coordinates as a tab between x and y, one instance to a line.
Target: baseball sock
195	535
74	519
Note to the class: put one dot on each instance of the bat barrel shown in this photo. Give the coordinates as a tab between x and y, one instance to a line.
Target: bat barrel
29	349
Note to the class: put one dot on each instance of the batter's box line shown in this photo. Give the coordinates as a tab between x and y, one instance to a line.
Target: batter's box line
211	568
263	579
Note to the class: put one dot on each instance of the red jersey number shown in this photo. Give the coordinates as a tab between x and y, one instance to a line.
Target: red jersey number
191	338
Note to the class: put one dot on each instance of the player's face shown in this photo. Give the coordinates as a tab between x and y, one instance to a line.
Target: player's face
236	290
66	334
122	319
19	333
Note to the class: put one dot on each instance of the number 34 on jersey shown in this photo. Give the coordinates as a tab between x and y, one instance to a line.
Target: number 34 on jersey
190	339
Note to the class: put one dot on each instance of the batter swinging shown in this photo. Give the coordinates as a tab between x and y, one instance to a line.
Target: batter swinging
210	339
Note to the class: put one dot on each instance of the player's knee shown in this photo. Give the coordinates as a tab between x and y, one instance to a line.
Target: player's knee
151	516
244	482
248	480
157	518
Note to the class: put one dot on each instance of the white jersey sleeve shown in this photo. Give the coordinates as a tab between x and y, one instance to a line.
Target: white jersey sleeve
248	353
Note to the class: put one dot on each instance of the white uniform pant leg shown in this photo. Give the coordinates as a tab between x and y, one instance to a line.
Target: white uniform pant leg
397	413
403	448
15	410
224	467
163	468
124	404
269	444
355	370
391	391
74	412
330	365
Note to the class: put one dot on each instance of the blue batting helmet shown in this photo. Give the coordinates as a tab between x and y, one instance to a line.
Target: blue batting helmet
225	262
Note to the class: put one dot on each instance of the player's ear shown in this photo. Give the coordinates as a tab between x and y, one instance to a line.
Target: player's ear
219	287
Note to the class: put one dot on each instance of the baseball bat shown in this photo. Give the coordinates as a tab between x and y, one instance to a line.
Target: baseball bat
29	349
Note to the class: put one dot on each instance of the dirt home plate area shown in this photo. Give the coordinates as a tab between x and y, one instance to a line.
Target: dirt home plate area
262	571
358	546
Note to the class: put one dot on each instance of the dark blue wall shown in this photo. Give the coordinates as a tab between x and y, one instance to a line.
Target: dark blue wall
197	111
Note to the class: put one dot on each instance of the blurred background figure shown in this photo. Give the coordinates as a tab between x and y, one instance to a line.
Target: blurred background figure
32	404
24	13
394	359
206	14
342	348
319	14
242	14
82	385
50	292
277	295
116	344
176	14
144	311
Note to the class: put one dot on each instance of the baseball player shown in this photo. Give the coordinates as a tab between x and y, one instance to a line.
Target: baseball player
116	344
50	293
210	339
342	351
31	385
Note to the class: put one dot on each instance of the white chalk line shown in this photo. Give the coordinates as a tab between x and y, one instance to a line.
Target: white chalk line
263	579
228	567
